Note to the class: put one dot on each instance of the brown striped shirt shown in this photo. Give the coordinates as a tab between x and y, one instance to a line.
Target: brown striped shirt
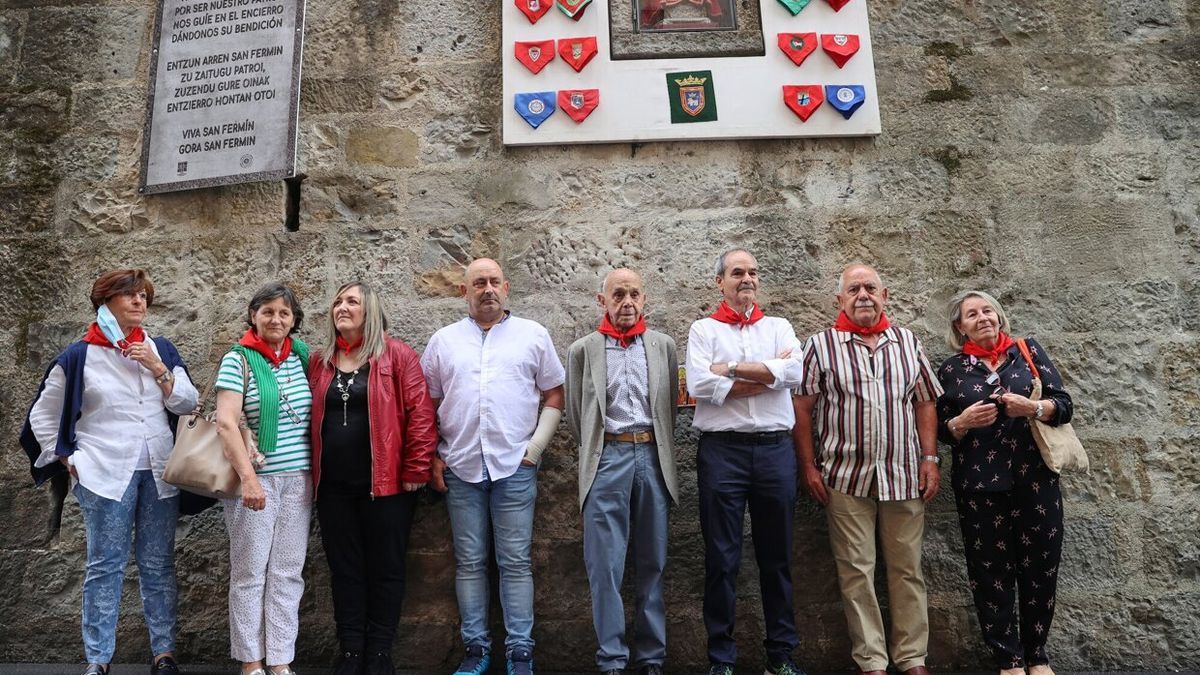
864	414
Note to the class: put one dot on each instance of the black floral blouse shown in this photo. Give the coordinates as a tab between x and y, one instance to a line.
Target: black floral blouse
995	458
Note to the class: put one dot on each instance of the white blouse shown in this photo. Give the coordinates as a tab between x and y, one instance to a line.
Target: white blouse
122	423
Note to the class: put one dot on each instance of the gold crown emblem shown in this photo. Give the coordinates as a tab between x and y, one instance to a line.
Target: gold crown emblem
691	80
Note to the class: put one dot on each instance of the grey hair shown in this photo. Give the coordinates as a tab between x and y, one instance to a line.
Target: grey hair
841	277
721	259
954	337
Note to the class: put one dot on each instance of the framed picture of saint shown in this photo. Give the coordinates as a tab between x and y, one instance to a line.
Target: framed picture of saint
653	16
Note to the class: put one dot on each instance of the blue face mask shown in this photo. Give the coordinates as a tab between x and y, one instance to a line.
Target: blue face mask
109	326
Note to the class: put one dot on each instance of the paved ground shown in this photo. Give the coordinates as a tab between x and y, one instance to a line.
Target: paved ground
138	669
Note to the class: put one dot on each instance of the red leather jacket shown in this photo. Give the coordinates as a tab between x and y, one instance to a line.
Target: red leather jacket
400	411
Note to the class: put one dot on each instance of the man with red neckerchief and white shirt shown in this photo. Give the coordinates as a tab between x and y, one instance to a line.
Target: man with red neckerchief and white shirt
872	394
741	366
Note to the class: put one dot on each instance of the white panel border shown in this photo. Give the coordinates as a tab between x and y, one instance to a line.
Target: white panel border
633	94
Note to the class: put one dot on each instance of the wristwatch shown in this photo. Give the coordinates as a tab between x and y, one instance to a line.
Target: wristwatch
166	377
732	366
1037	412
932	458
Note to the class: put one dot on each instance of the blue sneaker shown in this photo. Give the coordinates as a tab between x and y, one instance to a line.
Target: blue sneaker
520	662
476	662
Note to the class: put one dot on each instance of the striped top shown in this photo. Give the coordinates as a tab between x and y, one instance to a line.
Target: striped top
864	414
293	452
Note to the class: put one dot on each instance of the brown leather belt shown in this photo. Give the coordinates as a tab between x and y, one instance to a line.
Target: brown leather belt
630	437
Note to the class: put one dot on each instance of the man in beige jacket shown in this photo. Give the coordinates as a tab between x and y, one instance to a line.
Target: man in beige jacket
621	389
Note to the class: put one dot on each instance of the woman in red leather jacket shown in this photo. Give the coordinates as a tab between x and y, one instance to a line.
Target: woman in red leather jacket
373	435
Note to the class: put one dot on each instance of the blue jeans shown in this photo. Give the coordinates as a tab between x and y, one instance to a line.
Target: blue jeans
110	525
628	497
505	507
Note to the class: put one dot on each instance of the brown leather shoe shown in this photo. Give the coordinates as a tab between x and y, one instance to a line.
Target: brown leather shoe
872	672
918	670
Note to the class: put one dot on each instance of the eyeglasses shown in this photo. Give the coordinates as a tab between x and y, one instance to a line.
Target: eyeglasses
286	406
998	389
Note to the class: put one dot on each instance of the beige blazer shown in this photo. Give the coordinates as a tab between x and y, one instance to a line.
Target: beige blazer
587	398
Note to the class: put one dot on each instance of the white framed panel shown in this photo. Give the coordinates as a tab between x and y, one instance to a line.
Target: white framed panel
633	93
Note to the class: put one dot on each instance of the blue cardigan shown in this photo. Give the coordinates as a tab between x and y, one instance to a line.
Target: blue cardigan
72	360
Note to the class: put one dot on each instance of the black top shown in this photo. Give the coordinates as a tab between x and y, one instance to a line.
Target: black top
995	458
346	448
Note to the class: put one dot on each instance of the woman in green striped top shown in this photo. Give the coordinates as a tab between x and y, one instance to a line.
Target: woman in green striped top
263	377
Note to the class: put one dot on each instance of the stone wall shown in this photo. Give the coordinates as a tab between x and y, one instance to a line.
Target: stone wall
1046	150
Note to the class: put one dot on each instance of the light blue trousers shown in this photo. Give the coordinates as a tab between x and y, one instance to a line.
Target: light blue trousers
110	524
628	497
500	513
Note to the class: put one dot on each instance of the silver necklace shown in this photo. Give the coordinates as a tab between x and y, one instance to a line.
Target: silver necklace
344	389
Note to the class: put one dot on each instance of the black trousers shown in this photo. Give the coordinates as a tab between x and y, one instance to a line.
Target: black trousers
365	544
1013	541
735	472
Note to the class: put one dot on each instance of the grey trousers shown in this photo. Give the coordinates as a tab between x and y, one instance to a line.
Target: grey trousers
627	498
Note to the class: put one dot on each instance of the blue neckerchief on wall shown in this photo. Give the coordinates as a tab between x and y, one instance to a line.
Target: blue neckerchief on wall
846	98
535	106
109	326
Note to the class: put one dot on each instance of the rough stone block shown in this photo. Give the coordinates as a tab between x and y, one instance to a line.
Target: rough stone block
1146	21
1173	468
1171	542
99	109
384	146
1098	553
10	42
1182	382
324	96
1017	22
1117	473
1166	112
26	209
102	43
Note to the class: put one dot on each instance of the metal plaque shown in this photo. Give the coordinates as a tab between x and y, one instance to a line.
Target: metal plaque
224	93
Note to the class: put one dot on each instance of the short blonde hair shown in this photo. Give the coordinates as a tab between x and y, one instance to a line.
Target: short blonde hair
955	337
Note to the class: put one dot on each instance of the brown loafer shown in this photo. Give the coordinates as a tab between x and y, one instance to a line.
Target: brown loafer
918	670
872	672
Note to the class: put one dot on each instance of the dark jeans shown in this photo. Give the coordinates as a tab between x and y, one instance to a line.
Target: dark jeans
735	470
365	543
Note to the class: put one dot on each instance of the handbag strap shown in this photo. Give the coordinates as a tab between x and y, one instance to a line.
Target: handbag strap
1028	358
212	383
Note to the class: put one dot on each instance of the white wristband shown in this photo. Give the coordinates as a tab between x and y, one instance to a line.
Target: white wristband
543	434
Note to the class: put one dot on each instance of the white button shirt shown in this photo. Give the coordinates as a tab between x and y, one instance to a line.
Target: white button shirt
490	385
122	420
711	341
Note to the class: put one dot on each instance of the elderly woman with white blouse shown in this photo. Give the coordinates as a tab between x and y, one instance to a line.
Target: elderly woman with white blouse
106	413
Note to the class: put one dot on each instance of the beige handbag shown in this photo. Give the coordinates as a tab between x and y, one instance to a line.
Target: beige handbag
197	462
1059	445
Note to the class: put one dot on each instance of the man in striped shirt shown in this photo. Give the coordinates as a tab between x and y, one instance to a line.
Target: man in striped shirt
872	393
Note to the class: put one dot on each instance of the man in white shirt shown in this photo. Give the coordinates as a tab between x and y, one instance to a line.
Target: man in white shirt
487	374
741	366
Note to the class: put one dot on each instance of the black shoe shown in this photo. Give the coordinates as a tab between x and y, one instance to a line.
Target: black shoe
380	663
651	669
95	669
347	663
614	671
164	666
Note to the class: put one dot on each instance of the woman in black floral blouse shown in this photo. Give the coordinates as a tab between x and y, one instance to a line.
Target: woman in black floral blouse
1009	503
